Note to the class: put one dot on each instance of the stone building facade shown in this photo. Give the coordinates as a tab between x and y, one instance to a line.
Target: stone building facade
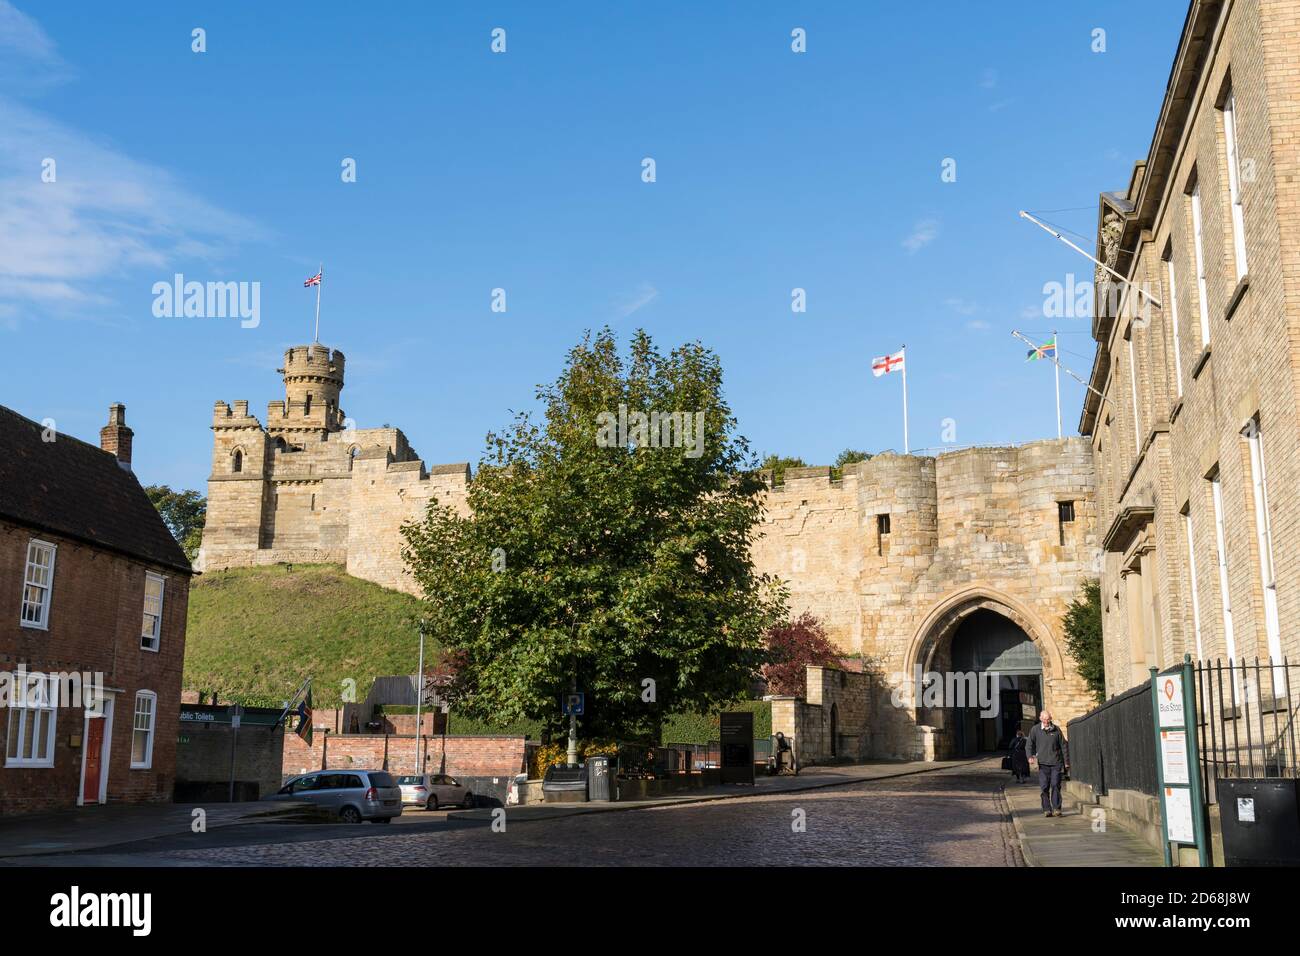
895	556
961	562
1195	417
308	487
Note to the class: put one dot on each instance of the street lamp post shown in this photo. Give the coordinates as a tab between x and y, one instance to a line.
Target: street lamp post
419	697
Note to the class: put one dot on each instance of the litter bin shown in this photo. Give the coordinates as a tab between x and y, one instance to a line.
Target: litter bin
565	784
1260	820
599	779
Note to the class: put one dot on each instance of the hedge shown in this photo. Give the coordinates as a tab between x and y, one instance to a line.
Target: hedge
701	728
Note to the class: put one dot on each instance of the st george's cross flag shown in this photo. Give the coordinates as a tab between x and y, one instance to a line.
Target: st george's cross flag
314	280
887	363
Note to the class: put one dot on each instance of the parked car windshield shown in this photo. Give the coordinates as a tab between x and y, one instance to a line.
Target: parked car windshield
410	780
381	779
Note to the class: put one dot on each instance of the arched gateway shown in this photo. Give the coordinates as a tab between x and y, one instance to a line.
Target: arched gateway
981	664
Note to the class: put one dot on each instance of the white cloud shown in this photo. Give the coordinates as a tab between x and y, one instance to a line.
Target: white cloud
640	297
29	60
978	325
923	233
104	215
962	306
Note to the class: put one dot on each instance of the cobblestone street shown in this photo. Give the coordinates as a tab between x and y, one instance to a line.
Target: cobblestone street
950	817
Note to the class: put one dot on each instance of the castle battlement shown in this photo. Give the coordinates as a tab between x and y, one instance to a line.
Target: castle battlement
309	487
891	555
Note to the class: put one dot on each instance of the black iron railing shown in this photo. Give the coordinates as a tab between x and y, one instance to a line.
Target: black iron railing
1247	719
1113	745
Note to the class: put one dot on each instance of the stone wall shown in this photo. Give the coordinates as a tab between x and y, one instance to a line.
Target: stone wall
892	556
897	552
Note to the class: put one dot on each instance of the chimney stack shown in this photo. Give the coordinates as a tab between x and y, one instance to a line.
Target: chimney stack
115	437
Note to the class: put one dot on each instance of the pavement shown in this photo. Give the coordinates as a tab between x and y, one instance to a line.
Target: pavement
1081	837
99	826
111	830
855	822
810	778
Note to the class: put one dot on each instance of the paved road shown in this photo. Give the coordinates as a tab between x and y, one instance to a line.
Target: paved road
953	817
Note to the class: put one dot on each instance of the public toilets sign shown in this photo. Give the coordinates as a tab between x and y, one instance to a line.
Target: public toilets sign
1182	804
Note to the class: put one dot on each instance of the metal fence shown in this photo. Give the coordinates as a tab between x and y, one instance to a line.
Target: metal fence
1247	720
1113	746
1248	725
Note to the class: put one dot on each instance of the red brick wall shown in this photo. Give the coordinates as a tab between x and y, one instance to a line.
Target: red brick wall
96	607
466	756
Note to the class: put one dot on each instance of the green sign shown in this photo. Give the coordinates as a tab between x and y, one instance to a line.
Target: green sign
1182	800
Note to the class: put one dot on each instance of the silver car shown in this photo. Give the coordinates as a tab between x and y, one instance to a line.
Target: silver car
355	795
434	790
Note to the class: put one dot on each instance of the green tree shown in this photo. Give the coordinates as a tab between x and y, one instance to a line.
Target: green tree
1083	637
848	456
184	513
600	564
779	464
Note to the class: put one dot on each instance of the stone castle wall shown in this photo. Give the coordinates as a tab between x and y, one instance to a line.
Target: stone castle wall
892	556
898	551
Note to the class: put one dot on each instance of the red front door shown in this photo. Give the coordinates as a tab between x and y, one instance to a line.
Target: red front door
94	752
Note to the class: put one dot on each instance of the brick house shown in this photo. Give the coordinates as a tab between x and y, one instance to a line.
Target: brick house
91	583
1195	414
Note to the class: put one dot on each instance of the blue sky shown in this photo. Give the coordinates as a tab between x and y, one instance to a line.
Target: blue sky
522	171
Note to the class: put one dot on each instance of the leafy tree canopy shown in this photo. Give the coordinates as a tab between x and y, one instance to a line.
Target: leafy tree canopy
602	564
1083	637
793	646
848	456
779	464
184	513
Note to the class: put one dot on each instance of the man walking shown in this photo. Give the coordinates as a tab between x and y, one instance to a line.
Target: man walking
1048	748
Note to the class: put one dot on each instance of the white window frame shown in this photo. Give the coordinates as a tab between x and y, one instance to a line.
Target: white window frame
151	640
1264	536
1202	298
1234	184
48	588
150	729
1133	387
1189	530
22	709
1172	298
1229	635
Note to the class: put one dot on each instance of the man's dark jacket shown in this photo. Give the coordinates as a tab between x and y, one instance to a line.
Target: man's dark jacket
1048	745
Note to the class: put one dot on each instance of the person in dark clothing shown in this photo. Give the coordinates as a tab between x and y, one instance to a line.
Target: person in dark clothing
1048	748
1019	758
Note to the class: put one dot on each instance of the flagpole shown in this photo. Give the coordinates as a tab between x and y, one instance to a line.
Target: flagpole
1048	229
906	448
320	272
1055	349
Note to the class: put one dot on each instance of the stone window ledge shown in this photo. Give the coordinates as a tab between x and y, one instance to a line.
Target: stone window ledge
1237	295
1201	362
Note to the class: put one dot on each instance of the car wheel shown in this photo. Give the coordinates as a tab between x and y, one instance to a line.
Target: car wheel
432	804
350	815
468	802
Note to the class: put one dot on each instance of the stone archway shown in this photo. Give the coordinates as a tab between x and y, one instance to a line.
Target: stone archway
959	617
945	616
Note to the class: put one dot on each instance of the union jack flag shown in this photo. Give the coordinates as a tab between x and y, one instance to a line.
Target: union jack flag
314	280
